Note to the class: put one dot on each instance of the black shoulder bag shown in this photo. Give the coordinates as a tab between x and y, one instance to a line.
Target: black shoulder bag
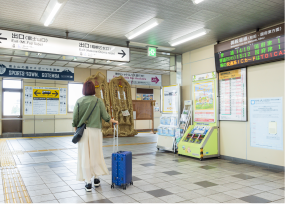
79	132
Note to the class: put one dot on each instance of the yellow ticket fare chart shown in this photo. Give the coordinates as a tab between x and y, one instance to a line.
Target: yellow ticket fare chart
45	100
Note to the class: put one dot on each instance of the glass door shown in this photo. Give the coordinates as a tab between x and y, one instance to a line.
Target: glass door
12	106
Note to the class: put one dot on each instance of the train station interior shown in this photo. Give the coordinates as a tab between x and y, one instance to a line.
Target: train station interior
157	101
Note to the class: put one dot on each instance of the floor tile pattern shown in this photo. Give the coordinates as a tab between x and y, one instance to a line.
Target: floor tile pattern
48	169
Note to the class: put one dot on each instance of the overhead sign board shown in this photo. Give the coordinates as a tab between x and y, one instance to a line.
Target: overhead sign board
44	44
36	71
136	78
45	100
256	48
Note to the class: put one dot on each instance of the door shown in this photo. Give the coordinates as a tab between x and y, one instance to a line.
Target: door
12	106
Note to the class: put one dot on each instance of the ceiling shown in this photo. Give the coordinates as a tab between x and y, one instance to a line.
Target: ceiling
107	21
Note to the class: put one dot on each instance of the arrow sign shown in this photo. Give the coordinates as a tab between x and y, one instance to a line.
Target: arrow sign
154	79
36	93
123	54
55	93
2	38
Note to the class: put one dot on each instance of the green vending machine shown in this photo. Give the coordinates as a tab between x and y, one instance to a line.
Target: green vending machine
201	140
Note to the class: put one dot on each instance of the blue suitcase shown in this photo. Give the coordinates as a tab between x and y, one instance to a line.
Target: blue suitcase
121	166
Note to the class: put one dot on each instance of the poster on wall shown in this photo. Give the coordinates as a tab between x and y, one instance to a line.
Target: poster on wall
136	78
266	123
36	71
204	101
147	96
170	100
45	100
233	100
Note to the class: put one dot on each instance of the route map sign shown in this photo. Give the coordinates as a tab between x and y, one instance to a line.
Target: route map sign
45	100
256	48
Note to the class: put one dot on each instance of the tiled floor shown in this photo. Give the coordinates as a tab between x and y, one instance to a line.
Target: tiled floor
159	177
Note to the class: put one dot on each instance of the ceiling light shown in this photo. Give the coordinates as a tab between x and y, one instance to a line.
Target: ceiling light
39	54
51	11
143	28
74	59
121	64
189	36
197	1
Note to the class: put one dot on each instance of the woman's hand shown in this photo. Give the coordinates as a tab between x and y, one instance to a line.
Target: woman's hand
114	121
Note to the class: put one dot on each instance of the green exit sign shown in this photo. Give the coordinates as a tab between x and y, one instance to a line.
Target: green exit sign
151	52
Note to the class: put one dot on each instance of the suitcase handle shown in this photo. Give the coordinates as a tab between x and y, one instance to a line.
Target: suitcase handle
114	139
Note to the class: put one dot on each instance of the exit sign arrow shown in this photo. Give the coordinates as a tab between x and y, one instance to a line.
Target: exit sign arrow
122	53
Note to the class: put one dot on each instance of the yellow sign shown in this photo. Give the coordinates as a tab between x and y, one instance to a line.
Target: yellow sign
45	93
230	74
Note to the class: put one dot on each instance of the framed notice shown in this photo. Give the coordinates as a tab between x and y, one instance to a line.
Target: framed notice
204	101
170	99
45	100
266	123
233	97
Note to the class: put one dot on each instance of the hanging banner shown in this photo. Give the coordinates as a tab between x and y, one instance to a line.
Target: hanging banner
136	78
45	100
204	101
44	44
36	71
170	100
266	123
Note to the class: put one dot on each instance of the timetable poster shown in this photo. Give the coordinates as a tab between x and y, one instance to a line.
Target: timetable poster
232	87
45	101
204	102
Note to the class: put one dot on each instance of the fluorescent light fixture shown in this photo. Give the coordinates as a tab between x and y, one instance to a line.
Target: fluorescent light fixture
121	64
189	36
51	11
197	1
143	28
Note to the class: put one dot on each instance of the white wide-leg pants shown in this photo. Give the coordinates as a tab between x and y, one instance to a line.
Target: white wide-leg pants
90	160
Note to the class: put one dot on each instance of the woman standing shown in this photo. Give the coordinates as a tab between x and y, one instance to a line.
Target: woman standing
90	160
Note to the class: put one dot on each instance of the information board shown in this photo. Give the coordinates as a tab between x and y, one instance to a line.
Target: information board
170	99
45	100
204	101
266	123
260	47
232	89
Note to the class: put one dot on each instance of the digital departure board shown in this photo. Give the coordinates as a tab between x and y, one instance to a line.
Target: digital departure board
260	47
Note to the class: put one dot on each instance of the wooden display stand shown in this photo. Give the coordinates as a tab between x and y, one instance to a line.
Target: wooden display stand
144	111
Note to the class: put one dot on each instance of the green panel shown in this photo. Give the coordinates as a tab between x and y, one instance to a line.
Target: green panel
193	149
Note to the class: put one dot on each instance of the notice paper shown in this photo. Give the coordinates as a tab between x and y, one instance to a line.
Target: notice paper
266	123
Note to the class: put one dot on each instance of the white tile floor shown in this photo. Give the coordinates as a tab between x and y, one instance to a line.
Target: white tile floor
158	177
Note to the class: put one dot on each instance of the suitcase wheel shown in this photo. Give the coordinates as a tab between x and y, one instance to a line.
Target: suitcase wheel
112	186
131	183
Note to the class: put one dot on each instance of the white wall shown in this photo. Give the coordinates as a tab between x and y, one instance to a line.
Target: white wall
265	80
